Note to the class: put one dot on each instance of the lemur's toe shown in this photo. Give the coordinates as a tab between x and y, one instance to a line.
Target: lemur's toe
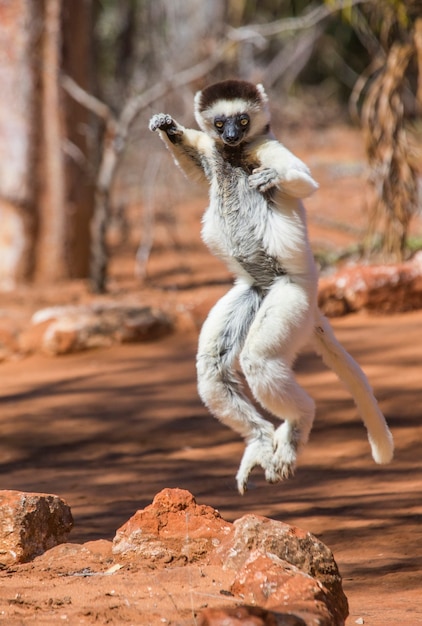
257	452
272	476
242	484
160	121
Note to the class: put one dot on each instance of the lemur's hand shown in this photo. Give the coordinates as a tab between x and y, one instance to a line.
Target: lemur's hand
294	181
164	122
263	178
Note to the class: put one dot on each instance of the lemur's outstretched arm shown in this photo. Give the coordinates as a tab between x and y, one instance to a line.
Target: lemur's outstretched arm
189	147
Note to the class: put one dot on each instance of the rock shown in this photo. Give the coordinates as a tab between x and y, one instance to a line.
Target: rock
31	337
266	581
246	616
62	330
381	288
287	572
282	546
144	324
172	530
8	340
30	524
93	556
293	545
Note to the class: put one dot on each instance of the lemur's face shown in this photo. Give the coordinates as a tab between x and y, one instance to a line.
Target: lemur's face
232	112
232	129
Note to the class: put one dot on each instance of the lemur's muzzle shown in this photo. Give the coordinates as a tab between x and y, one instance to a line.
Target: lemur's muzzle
232	133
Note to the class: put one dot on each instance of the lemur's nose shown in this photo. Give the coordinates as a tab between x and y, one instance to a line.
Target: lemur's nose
231	133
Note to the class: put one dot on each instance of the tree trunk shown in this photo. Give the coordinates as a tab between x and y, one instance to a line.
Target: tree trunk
418	46
46	141
81	131
18	136
50	260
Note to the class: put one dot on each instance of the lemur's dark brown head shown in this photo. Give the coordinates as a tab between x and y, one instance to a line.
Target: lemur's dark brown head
232	111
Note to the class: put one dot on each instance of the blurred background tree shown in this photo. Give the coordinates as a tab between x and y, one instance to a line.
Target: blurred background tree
392	97
151	54
47	141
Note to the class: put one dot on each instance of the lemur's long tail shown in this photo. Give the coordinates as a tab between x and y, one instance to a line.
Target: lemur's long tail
337	358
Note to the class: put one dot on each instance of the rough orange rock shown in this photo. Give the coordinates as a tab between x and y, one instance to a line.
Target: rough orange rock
380	288
290	544
282	558
173	529
281	569
30	524
269	582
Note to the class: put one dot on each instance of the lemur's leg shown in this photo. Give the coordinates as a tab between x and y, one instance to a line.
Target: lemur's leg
282	326
220	342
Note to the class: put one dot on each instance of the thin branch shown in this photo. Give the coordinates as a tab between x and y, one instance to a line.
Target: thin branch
86	99
147	239
289	24
359	86
73	152
136	104
291	59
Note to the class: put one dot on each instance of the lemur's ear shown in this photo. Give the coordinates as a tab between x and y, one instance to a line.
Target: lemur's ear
197	111
262	92
196	100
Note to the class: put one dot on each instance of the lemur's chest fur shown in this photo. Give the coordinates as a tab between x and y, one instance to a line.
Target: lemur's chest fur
237	218
234	159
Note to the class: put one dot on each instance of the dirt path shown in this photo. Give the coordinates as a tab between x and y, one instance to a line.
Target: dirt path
107	430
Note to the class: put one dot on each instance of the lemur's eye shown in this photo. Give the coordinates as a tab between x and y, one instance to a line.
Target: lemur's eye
244	121
218	123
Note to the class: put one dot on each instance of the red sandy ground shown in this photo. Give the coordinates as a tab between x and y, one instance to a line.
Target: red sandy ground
107	429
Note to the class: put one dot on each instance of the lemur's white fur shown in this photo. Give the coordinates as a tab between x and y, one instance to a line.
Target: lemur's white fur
256	223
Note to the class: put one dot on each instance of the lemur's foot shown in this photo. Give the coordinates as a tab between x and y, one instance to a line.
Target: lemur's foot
263	178
284	463
274	451
286	443
164	122
259	451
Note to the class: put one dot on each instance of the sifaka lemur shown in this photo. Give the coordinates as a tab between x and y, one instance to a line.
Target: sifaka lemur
256	223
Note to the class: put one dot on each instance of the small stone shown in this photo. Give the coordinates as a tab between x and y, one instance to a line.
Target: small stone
30	524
